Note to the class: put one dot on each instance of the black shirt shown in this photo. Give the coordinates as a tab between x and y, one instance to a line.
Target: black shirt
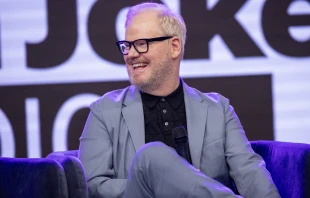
162	114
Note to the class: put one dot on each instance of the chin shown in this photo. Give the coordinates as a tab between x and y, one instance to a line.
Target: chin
139	83
139	80
136	81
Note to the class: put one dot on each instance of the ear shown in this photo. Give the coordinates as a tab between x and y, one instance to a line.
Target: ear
176	46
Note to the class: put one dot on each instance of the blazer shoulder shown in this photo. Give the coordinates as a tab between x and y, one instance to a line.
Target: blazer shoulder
216	98
111	99
219	102
213	98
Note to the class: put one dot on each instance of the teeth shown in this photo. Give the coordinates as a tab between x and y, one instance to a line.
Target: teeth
139	65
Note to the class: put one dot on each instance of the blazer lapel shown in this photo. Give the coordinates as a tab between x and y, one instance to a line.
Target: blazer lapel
196	116
134	118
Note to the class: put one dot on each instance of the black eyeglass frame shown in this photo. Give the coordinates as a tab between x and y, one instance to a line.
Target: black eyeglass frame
148	40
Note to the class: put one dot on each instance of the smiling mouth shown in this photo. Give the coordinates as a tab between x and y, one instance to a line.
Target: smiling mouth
139	65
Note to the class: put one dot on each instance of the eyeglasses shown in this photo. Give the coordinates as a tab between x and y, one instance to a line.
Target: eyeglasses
141	45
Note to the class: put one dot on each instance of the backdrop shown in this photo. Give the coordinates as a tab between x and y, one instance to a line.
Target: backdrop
56	57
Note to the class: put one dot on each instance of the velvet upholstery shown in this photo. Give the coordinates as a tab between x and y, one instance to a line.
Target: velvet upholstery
32	178
77	185
289	165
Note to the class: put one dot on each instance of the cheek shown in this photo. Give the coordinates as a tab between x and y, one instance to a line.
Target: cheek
128	68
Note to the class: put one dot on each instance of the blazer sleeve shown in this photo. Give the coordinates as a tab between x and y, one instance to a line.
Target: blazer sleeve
95	153
247	168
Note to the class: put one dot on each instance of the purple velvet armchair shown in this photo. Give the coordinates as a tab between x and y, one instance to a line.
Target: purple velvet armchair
288	163
33	178
61	174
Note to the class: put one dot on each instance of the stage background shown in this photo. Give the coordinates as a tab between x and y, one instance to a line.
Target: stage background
56	57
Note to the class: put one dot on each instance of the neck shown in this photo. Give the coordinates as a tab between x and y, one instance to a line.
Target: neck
164	89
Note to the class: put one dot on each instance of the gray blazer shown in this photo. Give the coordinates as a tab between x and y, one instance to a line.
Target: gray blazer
114	131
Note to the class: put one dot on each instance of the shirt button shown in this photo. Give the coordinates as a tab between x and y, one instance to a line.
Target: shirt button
164	111
166	123
163	99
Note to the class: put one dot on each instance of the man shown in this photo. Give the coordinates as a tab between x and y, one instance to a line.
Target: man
127	148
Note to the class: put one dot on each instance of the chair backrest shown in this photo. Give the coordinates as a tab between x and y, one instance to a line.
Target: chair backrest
288	164
77	185
34	178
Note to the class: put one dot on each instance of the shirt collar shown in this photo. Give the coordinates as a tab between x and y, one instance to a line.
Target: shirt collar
175	99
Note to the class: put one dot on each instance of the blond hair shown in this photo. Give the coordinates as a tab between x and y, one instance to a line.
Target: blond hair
172	24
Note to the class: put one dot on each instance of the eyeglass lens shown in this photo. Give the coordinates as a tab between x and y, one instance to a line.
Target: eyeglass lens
140	46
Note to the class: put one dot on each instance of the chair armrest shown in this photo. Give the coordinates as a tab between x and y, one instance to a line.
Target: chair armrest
34	178
76	181
288	164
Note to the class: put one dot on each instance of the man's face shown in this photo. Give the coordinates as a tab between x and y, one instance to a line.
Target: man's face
152	69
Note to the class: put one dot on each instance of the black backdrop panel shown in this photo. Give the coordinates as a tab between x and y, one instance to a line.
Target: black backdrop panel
251	96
